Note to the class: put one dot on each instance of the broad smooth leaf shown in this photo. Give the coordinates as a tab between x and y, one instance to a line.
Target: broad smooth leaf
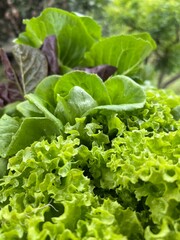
45	89
94	29
73	37
42	106
125	95
123	90
124	52
74	105
147	37
91	83
10	90
31	129
50	50
8	127
32	64
28	109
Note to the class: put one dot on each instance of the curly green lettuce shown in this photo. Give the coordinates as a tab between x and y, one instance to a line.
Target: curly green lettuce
109	177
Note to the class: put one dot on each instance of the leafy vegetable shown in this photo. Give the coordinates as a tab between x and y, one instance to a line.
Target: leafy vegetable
124	188
65	26
10	91
75	95
50	45
124	52
32	64
49	49
87	48
8	127
88	159
32	69
89	82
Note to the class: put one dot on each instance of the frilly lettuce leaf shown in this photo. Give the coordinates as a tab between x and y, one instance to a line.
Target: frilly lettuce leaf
109	177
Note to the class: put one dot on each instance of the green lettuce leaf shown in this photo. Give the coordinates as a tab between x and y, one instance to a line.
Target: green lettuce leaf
74	105
89	82
124	52
64	26
124	93
8	127
30	130
43	107
45	89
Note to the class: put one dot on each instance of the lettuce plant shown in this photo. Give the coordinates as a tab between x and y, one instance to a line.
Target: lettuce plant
50	45
61	99
56	42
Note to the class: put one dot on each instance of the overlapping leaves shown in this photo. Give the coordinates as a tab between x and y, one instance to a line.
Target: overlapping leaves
58	100
123	188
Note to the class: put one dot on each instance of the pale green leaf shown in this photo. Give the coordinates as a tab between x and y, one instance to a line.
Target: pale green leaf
73	36
124	52
8	127
91	83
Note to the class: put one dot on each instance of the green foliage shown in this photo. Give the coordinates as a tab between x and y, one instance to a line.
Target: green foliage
58	100
75	95
88	48
123	51
71	46
159	18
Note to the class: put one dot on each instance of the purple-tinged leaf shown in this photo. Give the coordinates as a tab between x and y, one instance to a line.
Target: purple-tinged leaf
32	65
8	69
49	49
103	71
9	93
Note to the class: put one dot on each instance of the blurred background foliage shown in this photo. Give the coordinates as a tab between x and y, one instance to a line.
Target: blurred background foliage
161	18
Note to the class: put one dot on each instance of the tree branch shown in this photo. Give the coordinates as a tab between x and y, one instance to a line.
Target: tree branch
160	79
171	80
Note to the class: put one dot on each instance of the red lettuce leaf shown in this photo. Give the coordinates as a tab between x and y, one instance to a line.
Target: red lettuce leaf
10	91
103	71
49	49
